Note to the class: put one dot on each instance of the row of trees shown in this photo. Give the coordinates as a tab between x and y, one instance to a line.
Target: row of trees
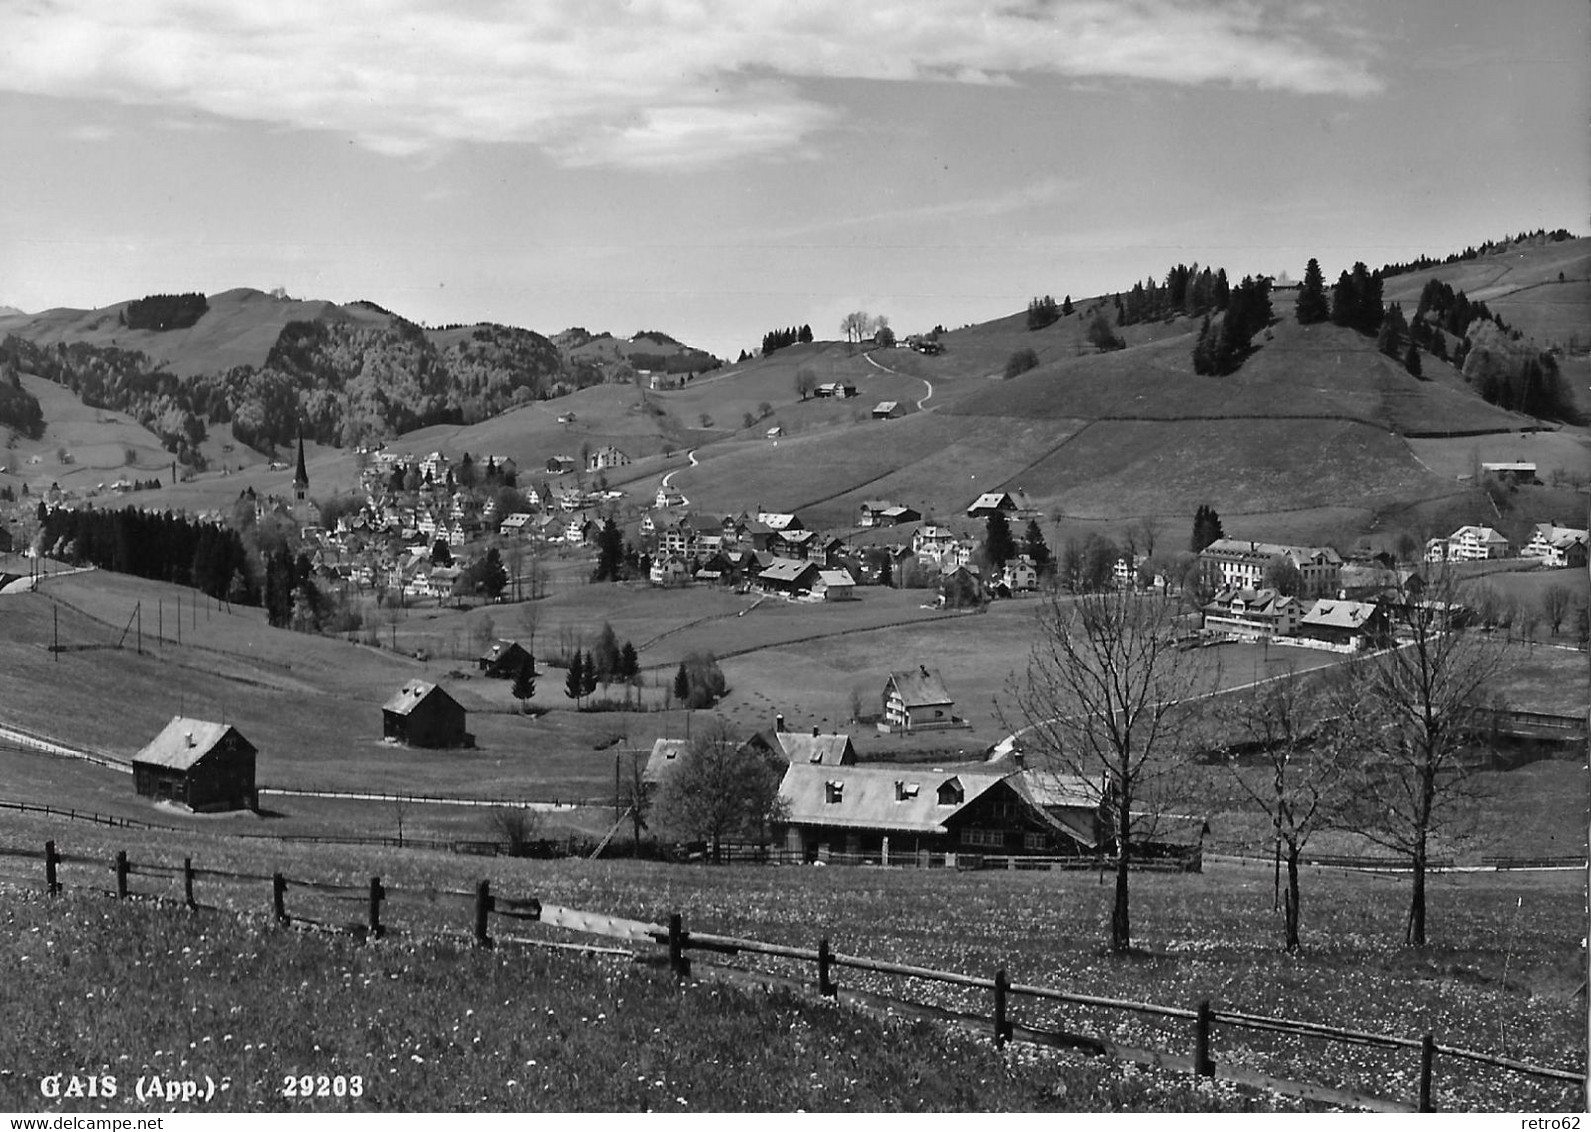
1110	700
778	339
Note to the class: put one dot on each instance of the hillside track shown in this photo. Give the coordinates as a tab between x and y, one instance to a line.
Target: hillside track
921	403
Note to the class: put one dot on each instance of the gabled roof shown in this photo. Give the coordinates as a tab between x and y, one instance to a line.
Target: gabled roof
993	501
787	569
836	578
918	687
412	695
779	520
868	797
185	741
498	649
664	758
1337	614
885	407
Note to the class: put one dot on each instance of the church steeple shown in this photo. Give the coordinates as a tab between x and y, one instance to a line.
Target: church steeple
300	477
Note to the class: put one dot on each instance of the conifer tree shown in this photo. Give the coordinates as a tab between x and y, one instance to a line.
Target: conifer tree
588	676
1312	306
1411	360
574	685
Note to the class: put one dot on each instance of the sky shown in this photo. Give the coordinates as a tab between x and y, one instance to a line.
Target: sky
716	170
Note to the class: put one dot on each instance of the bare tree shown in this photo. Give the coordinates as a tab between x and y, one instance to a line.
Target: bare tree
1556	600
1298	779
1106	701
856	326
1414	706
721	789
1143	532
517	826
806	380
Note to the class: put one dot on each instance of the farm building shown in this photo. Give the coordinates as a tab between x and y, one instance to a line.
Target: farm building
202	765
505	659
560	465
789	575
606	457
916	700
835	585
886	410
991	502
423	715
904	810
1517	471
665	756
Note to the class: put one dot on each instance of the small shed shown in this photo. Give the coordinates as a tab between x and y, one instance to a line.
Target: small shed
202	765
423	715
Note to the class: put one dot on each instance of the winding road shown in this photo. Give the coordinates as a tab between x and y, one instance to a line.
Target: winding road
897	373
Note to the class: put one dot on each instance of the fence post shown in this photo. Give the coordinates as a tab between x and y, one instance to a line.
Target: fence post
1202	1065
483	908
1002	1029
51	860
279	897
677	961
826	985
187	883
121	874
376	893
1427	1059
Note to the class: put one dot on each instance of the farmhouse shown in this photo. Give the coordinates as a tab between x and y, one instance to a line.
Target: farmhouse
887	810
1020	575
839	389
606	457
423	715
1557	546
789	575
559	465
916	700
886	410
668	496
505	660
198	764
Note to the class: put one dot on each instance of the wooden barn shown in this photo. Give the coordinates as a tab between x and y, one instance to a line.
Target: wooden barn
504	659
423	715
195	763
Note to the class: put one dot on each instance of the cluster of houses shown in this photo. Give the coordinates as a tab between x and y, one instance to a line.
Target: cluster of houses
1553	545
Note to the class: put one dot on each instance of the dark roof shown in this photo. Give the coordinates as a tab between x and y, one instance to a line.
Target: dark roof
184	742
499	649
412	695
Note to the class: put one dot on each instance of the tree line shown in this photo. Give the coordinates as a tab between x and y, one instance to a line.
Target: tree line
161	546
776	340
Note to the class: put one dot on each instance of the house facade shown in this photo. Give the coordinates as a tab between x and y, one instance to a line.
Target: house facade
1557	546
916	700
1467	544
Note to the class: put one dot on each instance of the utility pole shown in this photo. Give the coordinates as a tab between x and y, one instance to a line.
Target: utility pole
138	612
56	610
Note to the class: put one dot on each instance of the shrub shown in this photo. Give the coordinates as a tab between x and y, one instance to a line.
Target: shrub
1020	362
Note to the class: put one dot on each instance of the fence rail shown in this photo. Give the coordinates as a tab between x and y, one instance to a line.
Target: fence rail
484	904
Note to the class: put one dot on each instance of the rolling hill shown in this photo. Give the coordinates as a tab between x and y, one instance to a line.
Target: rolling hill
1317	434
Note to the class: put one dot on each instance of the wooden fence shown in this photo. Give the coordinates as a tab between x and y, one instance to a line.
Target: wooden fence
673	944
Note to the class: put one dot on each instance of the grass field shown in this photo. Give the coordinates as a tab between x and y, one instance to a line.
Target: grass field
1500	975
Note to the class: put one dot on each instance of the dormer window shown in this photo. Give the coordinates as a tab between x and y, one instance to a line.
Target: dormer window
951	792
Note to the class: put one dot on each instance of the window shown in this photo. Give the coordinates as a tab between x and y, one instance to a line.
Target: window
951	792
1035	841
833	792
985	838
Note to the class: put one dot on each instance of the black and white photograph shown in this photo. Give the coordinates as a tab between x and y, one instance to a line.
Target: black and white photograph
714	556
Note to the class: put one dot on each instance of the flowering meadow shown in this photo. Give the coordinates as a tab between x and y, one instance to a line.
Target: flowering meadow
137	987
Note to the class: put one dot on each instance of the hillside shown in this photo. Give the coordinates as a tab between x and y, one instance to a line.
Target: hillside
1522	283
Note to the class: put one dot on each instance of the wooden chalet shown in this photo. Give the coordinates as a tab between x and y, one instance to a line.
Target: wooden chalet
916	700
195	763
504	660
423	715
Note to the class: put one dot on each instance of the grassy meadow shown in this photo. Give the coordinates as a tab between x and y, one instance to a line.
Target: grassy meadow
1500	975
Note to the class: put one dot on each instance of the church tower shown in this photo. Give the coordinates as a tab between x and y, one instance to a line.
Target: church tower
300	477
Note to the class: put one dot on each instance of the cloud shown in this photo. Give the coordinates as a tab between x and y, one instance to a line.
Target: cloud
649	83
